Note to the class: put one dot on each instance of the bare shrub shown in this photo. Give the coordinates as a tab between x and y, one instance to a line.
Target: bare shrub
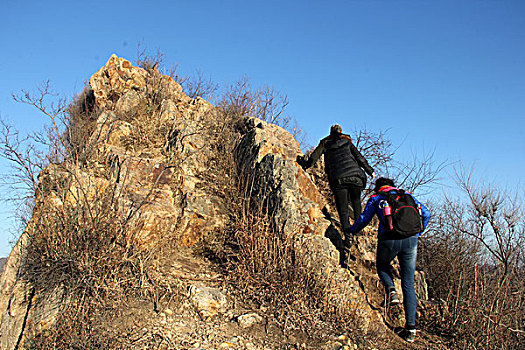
266	103
267	268
149	61
474	261
199	86
242	100
27	161
81	113
194	86
75	238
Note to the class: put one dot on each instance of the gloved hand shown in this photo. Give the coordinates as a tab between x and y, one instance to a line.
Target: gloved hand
302	162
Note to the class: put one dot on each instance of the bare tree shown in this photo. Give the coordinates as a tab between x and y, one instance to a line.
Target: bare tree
419	172
495	219
375	147
473	257
24	157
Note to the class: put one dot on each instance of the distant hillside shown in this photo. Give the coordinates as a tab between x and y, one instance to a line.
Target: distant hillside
2	262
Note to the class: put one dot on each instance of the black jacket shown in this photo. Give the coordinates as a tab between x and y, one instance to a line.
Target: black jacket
342	159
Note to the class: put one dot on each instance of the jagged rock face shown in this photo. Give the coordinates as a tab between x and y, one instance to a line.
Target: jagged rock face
116	78
2	262
267	155
181	205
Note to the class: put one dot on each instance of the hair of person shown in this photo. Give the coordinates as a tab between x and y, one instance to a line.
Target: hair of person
336	129
383	181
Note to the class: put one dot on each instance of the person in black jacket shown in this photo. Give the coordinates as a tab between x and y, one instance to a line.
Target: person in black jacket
345	167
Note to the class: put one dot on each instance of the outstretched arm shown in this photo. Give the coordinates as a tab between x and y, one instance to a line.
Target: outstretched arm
365	217
316	154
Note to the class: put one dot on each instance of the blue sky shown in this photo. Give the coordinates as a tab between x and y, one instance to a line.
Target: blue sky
443	75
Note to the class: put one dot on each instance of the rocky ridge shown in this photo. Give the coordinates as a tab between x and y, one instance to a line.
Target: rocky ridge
166	188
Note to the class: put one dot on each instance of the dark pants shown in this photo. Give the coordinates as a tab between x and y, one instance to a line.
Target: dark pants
345	194
406	252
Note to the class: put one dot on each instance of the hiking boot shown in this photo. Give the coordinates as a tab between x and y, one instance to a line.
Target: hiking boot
343	258
392	298
349	239
409	335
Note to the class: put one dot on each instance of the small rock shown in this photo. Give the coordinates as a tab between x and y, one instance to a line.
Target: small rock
250	346
229	315
168	312
332	345
249	320
208	301
342	337
233	342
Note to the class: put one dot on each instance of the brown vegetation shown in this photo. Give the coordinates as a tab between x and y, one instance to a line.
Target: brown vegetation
474	259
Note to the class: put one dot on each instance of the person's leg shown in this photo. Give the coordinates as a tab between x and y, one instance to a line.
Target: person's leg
386	252
407	261
354	197
335	237
341	203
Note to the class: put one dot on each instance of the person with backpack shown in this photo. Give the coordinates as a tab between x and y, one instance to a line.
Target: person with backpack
402	219
345	167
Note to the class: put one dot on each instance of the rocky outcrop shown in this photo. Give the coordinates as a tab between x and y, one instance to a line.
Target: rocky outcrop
160	185
284	191
151	144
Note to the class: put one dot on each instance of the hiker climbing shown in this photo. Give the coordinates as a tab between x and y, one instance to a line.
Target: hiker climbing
344	166
402	219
